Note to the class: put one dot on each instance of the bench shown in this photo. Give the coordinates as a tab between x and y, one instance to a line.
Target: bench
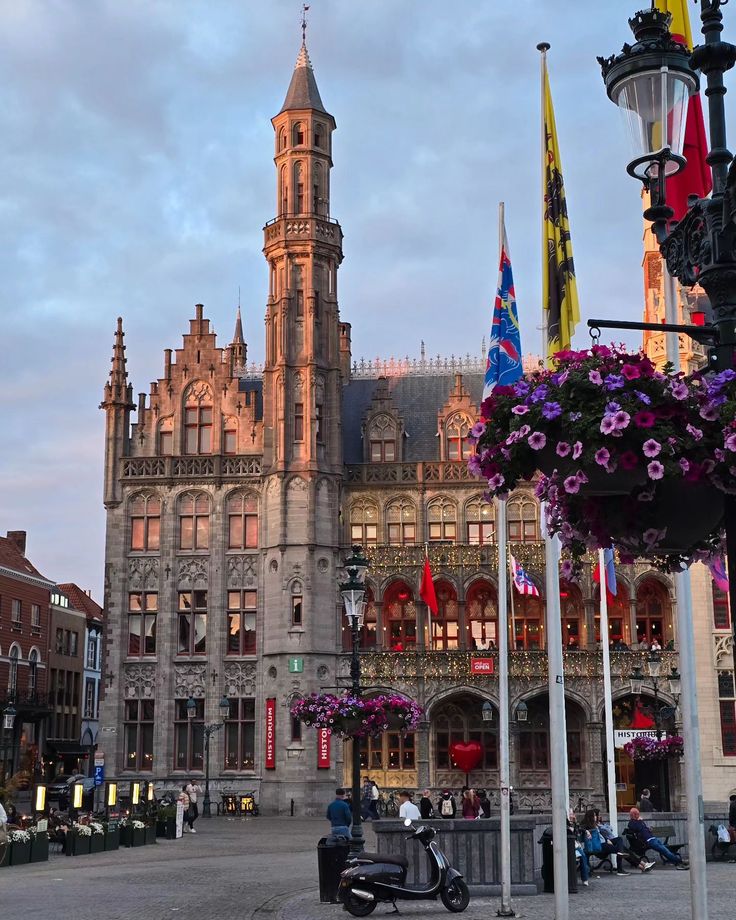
598	863
720	851
664	833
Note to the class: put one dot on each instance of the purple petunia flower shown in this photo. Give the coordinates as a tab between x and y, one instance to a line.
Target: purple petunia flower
695	432
477	430
680	391
566	569
655	470
719	454
537	440
608	424
521	388
630	372
612	407
563	449
645	419
577	449
602	456
539	394
708	412
621	419
474	465
595	377
572	485
730	442
520	410
613	382
642	397
551	410
684	464
495	482
651	448
524	431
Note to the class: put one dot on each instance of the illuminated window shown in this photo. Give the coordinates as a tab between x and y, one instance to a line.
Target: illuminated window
241	622
480	523
194	521
382	436
145	523
240	735
198	419
653	616
442	521
400	617
192	623
401	522
142	614
138	734
444	625
242	515
523	521
457	429
727	705
721	614
482	616
188	736
460	721
364	523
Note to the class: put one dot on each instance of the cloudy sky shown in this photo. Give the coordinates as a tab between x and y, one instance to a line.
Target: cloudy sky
136	174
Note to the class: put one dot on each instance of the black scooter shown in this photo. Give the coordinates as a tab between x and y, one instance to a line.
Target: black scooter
373	877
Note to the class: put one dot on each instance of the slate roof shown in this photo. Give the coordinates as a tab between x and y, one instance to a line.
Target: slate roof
12	558
303	92
253	388
81	601
418	399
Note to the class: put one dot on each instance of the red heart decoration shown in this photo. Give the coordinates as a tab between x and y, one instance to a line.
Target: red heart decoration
466	754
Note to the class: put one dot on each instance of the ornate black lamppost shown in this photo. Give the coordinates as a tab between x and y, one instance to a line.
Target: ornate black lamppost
353	597
8	723
208	731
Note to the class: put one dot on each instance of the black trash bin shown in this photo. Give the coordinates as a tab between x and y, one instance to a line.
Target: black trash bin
332	854
548	863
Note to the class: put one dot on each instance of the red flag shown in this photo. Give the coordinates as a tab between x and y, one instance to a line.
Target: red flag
610	598
426	591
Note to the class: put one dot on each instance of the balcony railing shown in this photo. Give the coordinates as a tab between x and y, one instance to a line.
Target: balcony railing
451	555
387	666
24	702
217	467
432	471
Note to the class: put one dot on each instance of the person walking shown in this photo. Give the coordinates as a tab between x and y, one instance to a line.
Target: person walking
366	797
646	806
375	796
193	790
339	815
470	805
647	838
446	806
425	805
185	804
408	809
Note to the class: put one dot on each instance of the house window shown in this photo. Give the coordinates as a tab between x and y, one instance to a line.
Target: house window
89	698
462	721
142	613
721	615
441	522
240	735
296	730
444	626
188	736
138	731
59	641
401	522
74	644
299	421
32	672
35	616
317	135
194	521
572	613
727	704
145	523
198	429
529	619
296	609
16	612
241	622
389	751
459	446
522	521
230	439
92	653
166	443
13	670
482	616
242	511
652	612
400	617
364	523
192	623
298	134
382	440
480	523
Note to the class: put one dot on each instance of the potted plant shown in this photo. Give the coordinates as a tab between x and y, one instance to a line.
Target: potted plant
646	748
39	845
20	847
97	840
112	835
166	822
357	716
132	832
78	839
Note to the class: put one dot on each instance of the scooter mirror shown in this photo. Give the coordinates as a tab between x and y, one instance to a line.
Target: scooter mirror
407	822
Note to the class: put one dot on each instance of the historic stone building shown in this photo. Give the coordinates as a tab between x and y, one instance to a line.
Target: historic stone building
233	498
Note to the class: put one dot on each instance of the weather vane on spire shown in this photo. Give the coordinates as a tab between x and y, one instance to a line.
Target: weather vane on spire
304	23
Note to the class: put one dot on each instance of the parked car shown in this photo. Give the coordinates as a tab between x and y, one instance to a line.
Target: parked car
60	786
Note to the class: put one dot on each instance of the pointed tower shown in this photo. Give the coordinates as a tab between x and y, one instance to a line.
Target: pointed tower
238	348
118	404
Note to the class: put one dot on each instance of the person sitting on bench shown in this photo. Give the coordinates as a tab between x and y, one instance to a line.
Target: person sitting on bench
647	838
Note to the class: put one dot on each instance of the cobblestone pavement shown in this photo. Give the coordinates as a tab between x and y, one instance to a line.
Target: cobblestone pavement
265	869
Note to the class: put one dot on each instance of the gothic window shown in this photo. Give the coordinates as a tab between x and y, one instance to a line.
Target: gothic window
242	516
479	519
721	616
240	735
400	617
528	618
534	739
32	684
284	192
618	615
241	622
194	521
192	623
364	523
441	520
481	610
13	670
142	614
145	522
299	421
523	520
461	722
653	618
138	734
188	736
318	135
299	134
367	632
166	437
298	188
727	704
572	615
444	630
389	751
282	139
316	189
198	419
229	435
457	429
297	280
382	446
401	522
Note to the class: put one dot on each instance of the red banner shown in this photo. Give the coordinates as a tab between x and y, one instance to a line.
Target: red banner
481	665
271	734
323	749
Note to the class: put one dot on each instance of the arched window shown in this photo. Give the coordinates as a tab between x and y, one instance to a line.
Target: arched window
400	617
13	670
299	134
618	616
653	619
572	615
382	447
534	739
242	518
529	622
481	613
364	523
194	521
460	721
457	430
198	418
523	520
480	521
284	192
318	135
298	188
401	522
166	437
442	520
145	523
367	632
32	672
444	631
316	189
282	139
230	435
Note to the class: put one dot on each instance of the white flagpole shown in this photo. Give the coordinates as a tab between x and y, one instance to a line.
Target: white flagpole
607	700
503	710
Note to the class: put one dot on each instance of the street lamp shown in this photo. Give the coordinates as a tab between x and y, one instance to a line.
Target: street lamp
522	712
209	731
8	722
653	666
353	598
487	712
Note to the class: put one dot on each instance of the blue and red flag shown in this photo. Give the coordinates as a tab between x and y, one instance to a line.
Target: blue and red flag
610	574
504	352
522	579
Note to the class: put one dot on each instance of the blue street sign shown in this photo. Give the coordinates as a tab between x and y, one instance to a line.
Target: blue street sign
99	774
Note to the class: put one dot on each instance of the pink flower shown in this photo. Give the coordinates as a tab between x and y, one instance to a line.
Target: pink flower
680	391
694	432
651	448
730	442
537	440
621	419
495	482
608	424
595	377
602	456
477	430
524	431
631	372
577	449
628	460
644	419
520	410
563	449
653	536
572	484
474	465
684	464
655	470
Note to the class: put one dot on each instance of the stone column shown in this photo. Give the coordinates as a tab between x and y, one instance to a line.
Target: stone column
422	754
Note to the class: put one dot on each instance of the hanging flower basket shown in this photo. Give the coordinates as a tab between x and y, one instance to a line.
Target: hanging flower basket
646	748
630	455
354	716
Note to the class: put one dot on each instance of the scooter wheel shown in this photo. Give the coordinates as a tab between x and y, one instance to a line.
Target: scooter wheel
357	906
456	896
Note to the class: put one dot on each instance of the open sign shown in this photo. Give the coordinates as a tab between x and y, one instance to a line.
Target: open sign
481	666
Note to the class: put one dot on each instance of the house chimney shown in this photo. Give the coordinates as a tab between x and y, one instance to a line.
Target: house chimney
18	537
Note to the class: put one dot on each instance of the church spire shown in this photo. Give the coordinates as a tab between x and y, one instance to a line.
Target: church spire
303	92
237	346
117	390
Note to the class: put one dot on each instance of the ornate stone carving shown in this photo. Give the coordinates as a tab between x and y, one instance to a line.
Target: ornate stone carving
297	484
323	565
273	566
322	671
143	573
139	681
240	679
272	673
722	654
189	680
193	573
241	571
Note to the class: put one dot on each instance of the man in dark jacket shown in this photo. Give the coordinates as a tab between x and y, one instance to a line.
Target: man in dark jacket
732	818
339	816
425	806
645	802
647	838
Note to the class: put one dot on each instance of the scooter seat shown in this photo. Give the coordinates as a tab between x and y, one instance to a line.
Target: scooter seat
381	858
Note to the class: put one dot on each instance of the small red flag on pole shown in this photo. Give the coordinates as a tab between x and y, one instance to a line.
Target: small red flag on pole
426	591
